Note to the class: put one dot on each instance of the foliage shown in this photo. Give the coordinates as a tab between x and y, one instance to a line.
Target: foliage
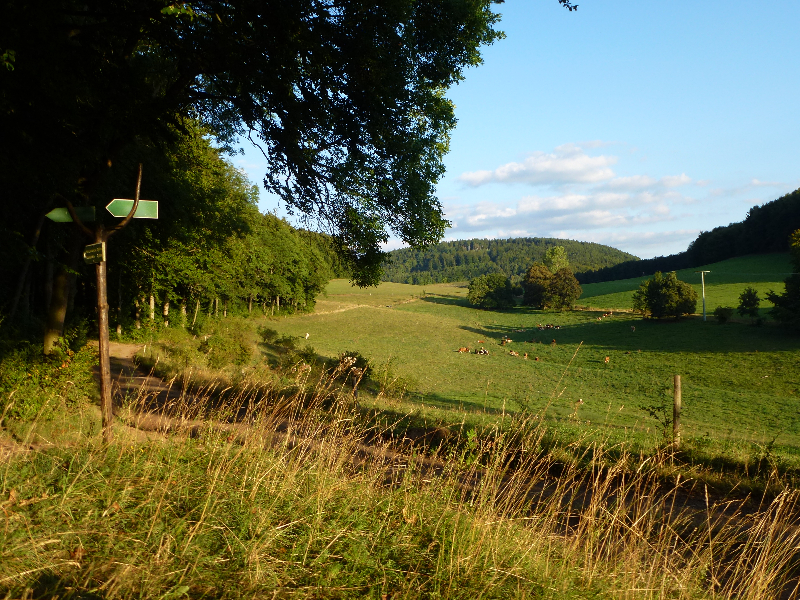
464	260
32	384
723	314
347	104
665	296
536	285
765	229
562	290
749	302
556	259
491	291
786	308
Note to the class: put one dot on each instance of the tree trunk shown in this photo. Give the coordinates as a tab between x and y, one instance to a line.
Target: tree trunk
23	276
57	310
216	307
183	312
48	281
196	309
166	313
137	314
152	307
225	308
250	305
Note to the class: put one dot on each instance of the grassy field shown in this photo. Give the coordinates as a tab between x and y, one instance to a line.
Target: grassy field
740	382
726	281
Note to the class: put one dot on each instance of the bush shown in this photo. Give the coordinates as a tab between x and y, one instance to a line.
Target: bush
665	296
723	314
749	302
786	309
491	291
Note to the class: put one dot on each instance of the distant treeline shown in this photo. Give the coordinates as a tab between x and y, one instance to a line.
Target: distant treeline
765	229
466	259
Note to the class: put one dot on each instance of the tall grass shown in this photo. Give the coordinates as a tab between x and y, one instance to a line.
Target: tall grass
270	494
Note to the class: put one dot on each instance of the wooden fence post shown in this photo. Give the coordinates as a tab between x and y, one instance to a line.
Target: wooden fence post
676	413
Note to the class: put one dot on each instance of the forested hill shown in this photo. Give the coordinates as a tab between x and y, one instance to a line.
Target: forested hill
464	259
765	229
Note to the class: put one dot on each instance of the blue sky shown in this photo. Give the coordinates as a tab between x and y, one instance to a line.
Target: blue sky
633	124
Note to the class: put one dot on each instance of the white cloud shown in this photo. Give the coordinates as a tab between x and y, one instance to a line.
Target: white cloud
566	164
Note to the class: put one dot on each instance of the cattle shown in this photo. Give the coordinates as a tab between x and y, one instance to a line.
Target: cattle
553	343
526	356
512	353
633	328
482	351
608	358
463	350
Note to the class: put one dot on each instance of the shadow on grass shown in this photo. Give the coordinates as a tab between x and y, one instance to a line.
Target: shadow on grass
447	299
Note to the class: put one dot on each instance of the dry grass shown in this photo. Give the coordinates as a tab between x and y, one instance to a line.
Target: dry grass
265	493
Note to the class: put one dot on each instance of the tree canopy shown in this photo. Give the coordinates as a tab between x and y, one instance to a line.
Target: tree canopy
665	296
492	291
345	99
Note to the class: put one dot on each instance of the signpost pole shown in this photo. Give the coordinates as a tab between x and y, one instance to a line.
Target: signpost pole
703	283
103	341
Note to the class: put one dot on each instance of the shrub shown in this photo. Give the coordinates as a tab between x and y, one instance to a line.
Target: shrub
665	296
491	291
723	314
786	309
749	302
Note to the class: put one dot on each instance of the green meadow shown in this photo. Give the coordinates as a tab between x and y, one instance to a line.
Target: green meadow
741	382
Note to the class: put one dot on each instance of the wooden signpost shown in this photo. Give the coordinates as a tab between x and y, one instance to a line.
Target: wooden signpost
96	254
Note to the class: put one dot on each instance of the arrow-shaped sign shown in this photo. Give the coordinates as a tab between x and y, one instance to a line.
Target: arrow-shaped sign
61	215
120	207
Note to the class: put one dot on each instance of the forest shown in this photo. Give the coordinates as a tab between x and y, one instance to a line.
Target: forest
466	259
209	250
765	229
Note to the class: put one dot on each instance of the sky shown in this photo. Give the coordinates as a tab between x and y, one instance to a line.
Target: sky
636	124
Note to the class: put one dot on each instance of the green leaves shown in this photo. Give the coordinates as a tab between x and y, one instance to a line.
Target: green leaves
665	296
492	291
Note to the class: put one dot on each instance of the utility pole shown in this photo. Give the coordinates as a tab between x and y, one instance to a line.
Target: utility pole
676	412
703	282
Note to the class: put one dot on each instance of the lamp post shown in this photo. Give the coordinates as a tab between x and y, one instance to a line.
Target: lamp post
703	282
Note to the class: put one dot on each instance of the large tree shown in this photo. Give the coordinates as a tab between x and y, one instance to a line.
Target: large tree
345	98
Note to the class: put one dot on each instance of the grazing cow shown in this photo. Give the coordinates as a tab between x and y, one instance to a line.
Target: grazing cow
480	341
483	351
553	343
463	350
307	335
526	356
537	358
512	353
633	328
608	358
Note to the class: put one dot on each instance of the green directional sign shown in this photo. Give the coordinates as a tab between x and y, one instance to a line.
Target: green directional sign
61	215
120	207
94	253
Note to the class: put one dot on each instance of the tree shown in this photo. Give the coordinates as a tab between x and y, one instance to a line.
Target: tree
536	285
786	306
562	290
346	99
749	302
492	291
556	259
665	296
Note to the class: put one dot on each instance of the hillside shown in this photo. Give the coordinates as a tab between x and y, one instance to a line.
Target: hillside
724	283
464	259
765	229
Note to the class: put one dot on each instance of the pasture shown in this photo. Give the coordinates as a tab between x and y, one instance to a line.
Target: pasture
741	383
